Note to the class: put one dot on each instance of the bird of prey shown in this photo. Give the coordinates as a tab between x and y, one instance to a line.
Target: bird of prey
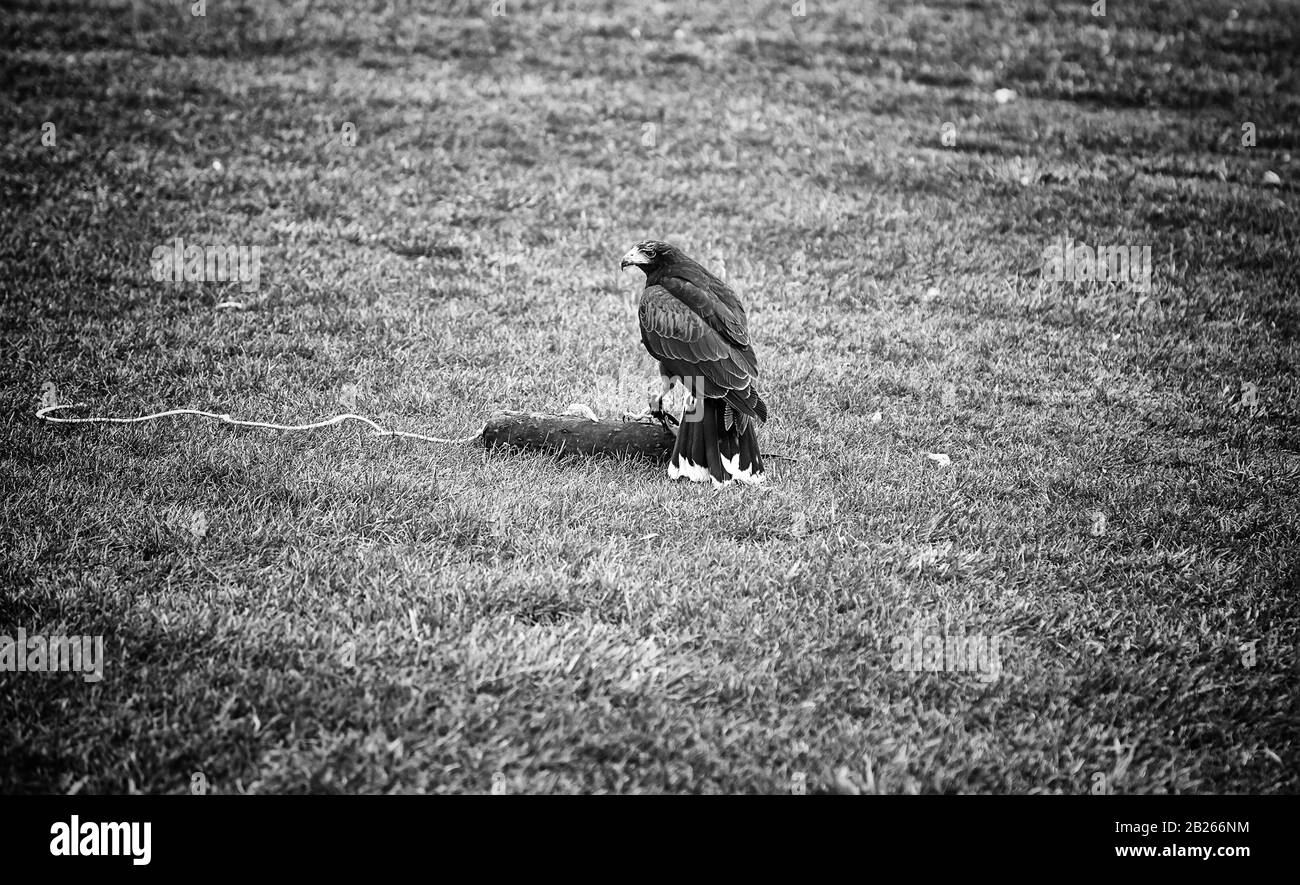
695	326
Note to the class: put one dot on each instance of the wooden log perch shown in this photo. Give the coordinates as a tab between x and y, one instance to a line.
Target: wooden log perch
576	435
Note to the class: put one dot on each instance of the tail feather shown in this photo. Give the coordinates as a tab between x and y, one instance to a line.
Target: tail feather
716	444
688	460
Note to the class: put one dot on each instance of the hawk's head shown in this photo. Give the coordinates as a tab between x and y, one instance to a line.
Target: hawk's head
649	254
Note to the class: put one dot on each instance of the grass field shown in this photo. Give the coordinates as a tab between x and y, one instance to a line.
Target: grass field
1121	511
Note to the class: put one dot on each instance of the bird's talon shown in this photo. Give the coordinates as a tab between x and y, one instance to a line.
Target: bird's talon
664	418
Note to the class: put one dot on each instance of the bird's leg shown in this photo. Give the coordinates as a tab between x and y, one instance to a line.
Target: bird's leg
656	406
656	400
692	400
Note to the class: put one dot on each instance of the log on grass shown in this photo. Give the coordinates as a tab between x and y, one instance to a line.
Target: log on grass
575	435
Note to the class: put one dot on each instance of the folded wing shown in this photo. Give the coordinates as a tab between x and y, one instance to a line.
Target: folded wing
687	346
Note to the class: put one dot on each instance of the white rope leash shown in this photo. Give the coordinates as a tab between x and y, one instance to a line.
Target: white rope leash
44	415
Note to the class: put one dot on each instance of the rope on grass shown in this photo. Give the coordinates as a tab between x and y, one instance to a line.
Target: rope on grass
44	415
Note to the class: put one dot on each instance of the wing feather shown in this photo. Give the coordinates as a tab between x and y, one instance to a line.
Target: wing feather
679	337
709	297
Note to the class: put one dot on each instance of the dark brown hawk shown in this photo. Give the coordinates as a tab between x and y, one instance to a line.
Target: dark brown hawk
695	326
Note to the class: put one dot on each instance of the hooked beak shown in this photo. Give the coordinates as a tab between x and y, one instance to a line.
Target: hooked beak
633	259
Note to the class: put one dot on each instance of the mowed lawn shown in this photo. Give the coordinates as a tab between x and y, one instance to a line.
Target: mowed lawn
1121	510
